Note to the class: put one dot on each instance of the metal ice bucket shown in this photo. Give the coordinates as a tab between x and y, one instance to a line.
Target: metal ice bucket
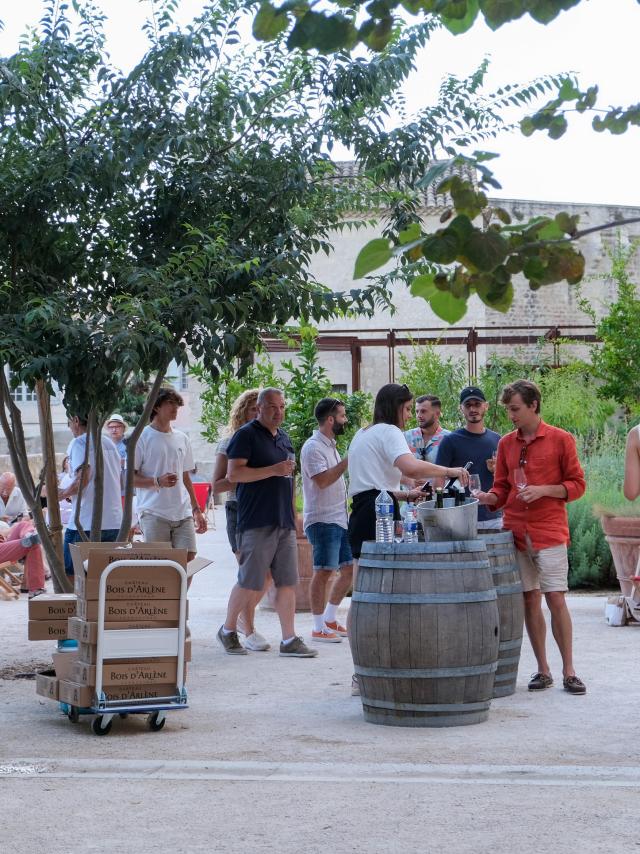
449	522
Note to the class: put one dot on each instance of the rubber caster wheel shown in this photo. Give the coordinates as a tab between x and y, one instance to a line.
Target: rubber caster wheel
98	728
154	724
74	715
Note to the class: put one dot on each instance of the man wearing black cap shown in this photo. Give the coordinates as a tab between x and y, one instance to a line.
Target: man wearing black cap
476	443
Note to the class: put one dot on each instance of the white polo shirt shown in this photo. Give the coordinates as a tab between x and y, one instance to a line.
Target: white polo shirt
329	505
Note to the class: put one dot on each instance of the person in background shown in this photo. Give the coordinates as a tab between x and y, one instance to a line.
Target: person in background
477	444
12	503
21	542
81	473
262	463
325	519
378	458
243	410
64	480
116	427
424	440
537	473
167	508
631	488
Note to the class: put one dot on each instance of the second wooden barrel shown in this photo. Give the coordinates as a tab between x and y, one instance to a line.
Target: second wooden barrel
424	629
508	584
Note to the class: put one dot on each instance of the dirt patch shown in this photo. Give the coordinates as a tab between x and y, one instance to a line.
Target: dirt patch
24	670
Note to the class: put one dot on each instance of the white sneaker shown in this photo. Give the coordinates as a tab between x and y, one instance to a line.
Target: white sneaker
256	642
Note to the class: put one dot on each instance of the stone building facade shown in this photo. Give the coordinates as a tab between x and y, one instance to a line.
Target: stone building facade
531	312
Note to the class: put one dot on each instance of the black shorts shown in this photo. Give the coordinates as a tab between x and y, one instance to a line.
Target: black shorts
362	521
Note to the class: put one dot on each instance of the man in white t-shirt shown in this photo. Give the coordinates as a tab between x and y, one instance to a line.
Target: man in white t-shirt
81	473
167	507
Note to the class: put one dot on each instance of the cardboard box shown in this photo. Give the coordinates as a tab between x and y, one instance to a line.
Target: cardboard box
83	695
52	607
126	610
87	631
90	560
196	565
144	671
87	652
38	630
64	663
47	684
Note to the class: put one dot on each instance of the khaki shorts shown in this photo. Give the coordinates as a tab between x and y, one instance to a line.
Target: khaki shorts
261	548
181	534
546	570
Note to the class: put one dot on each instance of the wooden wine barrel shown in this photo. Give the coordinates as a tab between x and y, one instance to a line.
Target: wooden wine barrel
425	633
508	584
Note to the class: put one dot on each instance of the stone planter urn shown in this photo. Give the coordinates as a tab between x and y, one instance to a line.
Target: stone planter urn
623	535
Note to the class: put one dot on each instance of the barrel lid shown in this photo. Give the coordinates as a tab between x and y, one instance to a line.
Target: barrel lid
370	547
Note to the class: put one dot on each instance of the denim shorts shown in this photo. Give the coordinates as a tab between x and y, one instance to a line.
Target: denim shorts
331	549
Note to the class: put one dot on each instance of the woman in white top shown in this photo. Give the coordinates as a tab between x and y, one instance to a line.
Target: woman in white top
378	458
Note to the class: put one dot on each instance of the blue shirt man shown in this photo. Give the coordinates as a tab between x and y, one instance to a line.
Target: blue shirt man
476	443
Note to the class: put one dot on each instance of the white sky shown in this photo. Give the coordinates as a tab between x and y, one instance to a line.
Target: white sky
598	40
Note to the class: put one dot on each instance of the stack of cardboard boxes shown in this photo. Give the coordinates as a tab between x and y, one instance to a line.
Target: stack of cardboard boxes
136	598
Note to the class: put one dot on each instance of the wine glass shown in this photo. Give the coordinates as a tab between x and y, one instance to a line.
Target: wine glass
520	479
291	456
474	484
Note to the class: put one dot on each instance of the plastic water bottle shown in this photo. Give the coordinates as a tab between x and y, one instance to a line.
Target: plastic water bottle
384	518
410	526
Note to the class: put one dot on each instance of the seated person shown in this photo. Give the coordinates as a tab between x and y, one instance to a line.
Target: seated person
12	503
22	542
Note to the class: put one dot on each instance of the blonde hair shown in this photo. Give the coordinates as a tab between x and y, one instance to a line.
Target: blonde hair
239	409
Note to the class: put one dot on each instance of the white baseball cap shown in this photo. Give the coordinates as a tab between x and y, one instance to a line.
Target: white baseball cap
118	418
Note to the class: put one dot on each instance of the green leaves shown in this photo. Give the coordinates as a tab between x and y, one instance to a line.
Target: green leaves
375	254
269	22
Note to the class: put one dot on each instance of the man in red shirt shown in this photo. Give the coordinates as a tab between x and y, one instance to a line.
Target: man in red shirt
537	472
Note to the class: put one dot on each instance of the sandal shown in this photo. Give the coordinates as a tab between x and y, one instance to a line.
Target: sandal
34	593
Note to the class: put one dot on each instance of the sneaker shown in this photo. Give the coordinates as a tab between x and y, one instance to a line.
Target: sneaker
34	593
355	686
297	648
29	540
540	681
231	643
256	643
337	628
574	685
325	636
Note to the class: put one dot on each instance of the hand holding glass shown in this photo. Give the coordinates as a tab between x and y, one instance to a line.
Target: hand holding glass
474	484
519	479
291	456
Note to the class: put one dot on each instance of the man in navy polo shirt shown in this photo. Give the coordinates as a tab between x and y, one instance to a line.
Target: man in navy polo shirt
261	462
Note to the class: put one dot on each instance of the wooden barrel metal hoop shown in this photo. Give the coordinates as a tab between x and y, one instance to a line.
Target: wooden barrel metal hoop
425	633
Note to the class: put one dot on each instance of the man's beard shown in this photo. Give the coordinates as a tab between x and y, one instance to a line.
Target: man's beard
338	429
426	425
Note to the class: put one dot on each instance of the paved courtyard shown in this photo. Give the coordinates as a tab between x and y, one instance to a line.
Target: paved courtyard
273	755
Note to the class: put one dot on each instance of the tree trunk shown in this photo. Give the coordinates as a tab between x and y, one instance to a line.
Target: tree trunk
51	483
97	476
14	435
125	527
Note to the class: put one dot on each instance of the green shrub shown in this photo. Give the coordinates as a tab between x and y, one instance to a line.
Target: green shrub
427	372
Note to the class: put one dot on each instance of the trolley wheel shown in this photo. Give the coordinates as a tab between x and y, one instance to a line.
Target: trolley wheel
73	714
98	728
123	715
154	724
